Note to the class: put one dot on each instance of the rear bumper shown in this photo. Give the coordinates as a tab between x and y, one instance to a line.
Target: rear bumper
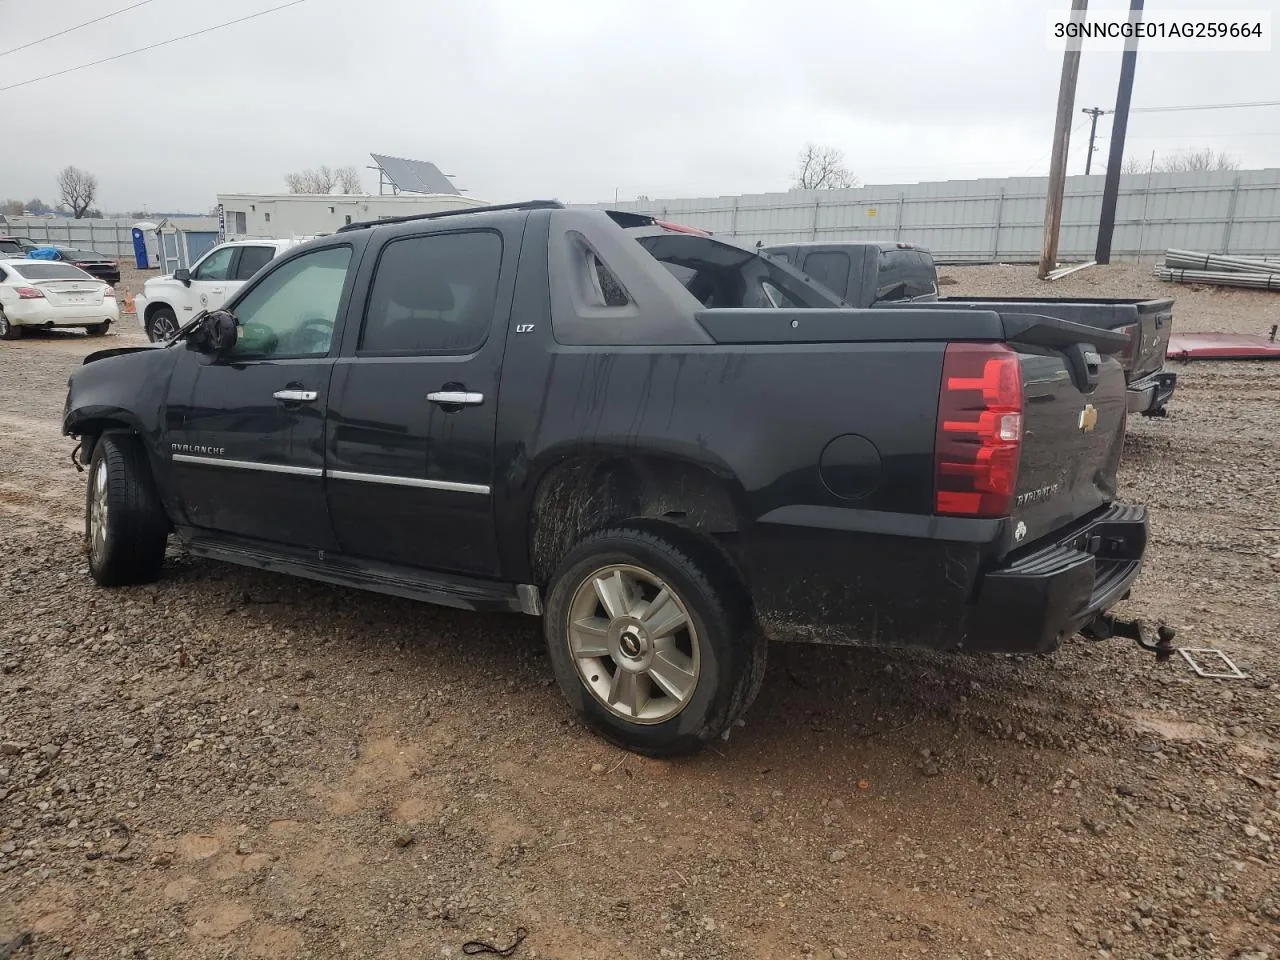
1149	395
41	313
1046	595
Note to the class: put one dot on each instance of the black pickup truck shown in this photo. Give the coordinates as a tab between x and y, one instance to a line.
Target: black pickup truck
875	273
532	408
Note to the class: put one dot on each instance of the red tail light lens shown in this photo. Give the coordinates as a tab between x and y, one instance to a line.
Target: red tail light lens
979	435
30	293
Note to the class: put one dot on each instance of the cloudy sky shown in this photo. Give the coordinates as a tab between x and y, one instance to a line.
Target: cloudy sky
578	100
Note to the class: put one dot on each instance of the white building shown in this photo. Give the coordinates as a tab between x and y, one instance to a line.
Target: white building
286	215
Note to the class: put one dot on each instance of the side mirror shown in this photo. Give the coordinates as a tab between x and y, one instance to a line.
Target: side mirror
183	276
217	333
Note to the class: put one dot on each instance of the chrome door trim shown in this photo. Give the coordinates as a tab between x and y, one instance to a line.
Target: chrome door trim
249	465
419	482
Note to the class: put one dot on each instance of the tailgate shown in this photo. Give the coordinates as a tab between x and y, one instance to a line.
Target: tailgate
1147	323
1150	338
1073	425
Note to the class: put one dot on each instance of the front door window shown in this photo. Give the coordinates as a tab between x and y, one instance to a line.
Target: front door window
292	312
216	266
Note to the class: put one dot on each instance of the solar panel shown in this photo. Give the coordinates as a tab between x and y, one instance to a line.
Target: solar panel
414	176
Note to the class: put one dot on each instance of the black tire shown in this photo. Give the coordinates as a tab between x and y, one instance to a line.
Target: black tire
731	648
98	329
9	330
130	547
157	317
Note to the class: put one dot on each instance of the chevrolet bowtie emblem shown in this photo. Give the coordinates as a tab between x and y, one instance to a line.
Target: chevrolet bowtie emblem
1088	418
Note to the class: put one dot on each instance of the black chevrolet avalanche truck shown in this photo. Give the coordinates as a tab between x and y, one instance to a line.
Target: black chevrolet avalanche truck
669	447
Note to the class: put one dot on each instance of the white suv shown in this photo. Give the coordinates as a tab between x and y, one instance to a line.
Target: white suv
166	303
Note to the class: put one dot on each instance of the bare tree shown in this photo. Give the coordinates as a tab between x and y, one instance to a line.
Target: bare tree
1205	158
348	180
1184	161
822	168
319	180
78	188
12	208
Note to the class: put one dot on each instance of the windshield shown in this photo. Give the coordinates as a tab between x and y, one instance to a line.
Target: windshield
48	270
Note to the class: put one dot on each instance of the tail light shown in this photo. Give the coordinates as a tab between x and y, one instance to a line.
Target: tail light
979	434
30	293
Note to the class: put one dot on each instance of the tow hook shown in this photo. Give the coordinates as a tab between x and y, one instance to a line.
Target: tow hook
1104	627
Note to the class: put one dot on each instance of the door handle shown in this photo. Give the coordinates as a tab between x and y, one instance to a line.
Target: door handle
295	396
456	398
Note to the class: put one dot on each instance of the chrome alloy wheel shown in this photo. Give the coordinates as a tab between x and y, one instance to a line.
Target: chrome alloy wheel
163	326
98	512
633	643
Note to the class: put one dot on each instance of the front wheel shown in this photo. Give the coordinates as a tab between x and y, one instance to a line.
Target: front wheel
652	640
162	323
125	524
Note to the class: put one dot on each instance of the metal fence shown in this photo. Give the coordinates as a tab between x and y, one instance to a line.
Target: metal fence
114	237
986	221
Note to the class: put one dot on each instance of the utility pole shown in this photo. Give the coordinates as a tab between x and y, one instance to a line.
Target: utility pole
1094	113
1061	141
1111	190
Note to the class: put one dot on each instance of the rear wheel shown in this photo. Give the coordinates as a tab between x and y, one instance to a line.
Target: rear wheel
162	323
8	329
125	523
98	329
652	640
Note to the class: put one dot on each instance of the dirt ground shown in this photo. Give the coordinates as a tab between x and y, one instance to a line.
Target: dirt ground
231	763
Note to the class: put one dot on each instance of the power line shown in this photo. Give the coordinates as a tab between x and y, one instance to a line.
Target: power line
1201	136
1206	106
78	26
152	46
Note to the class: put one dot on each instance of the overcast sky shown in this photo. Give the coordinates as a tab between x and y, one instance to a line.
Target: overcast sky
575	100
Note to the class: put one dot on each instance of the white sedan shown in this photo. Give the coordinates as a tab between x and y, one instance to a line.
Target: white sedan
50	293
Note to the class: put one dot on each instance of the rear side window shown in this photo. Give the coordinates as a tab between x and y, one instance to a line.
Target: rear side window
253	259
905	275
612	292
830	268
49	270
433	294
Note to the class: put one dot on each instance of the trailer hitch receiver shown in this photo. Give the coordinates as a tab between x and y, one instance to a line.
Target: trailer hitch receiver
1104	627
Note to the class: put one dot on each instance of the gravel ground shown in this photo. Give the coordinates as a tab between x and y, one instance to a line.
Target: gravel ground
233	763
